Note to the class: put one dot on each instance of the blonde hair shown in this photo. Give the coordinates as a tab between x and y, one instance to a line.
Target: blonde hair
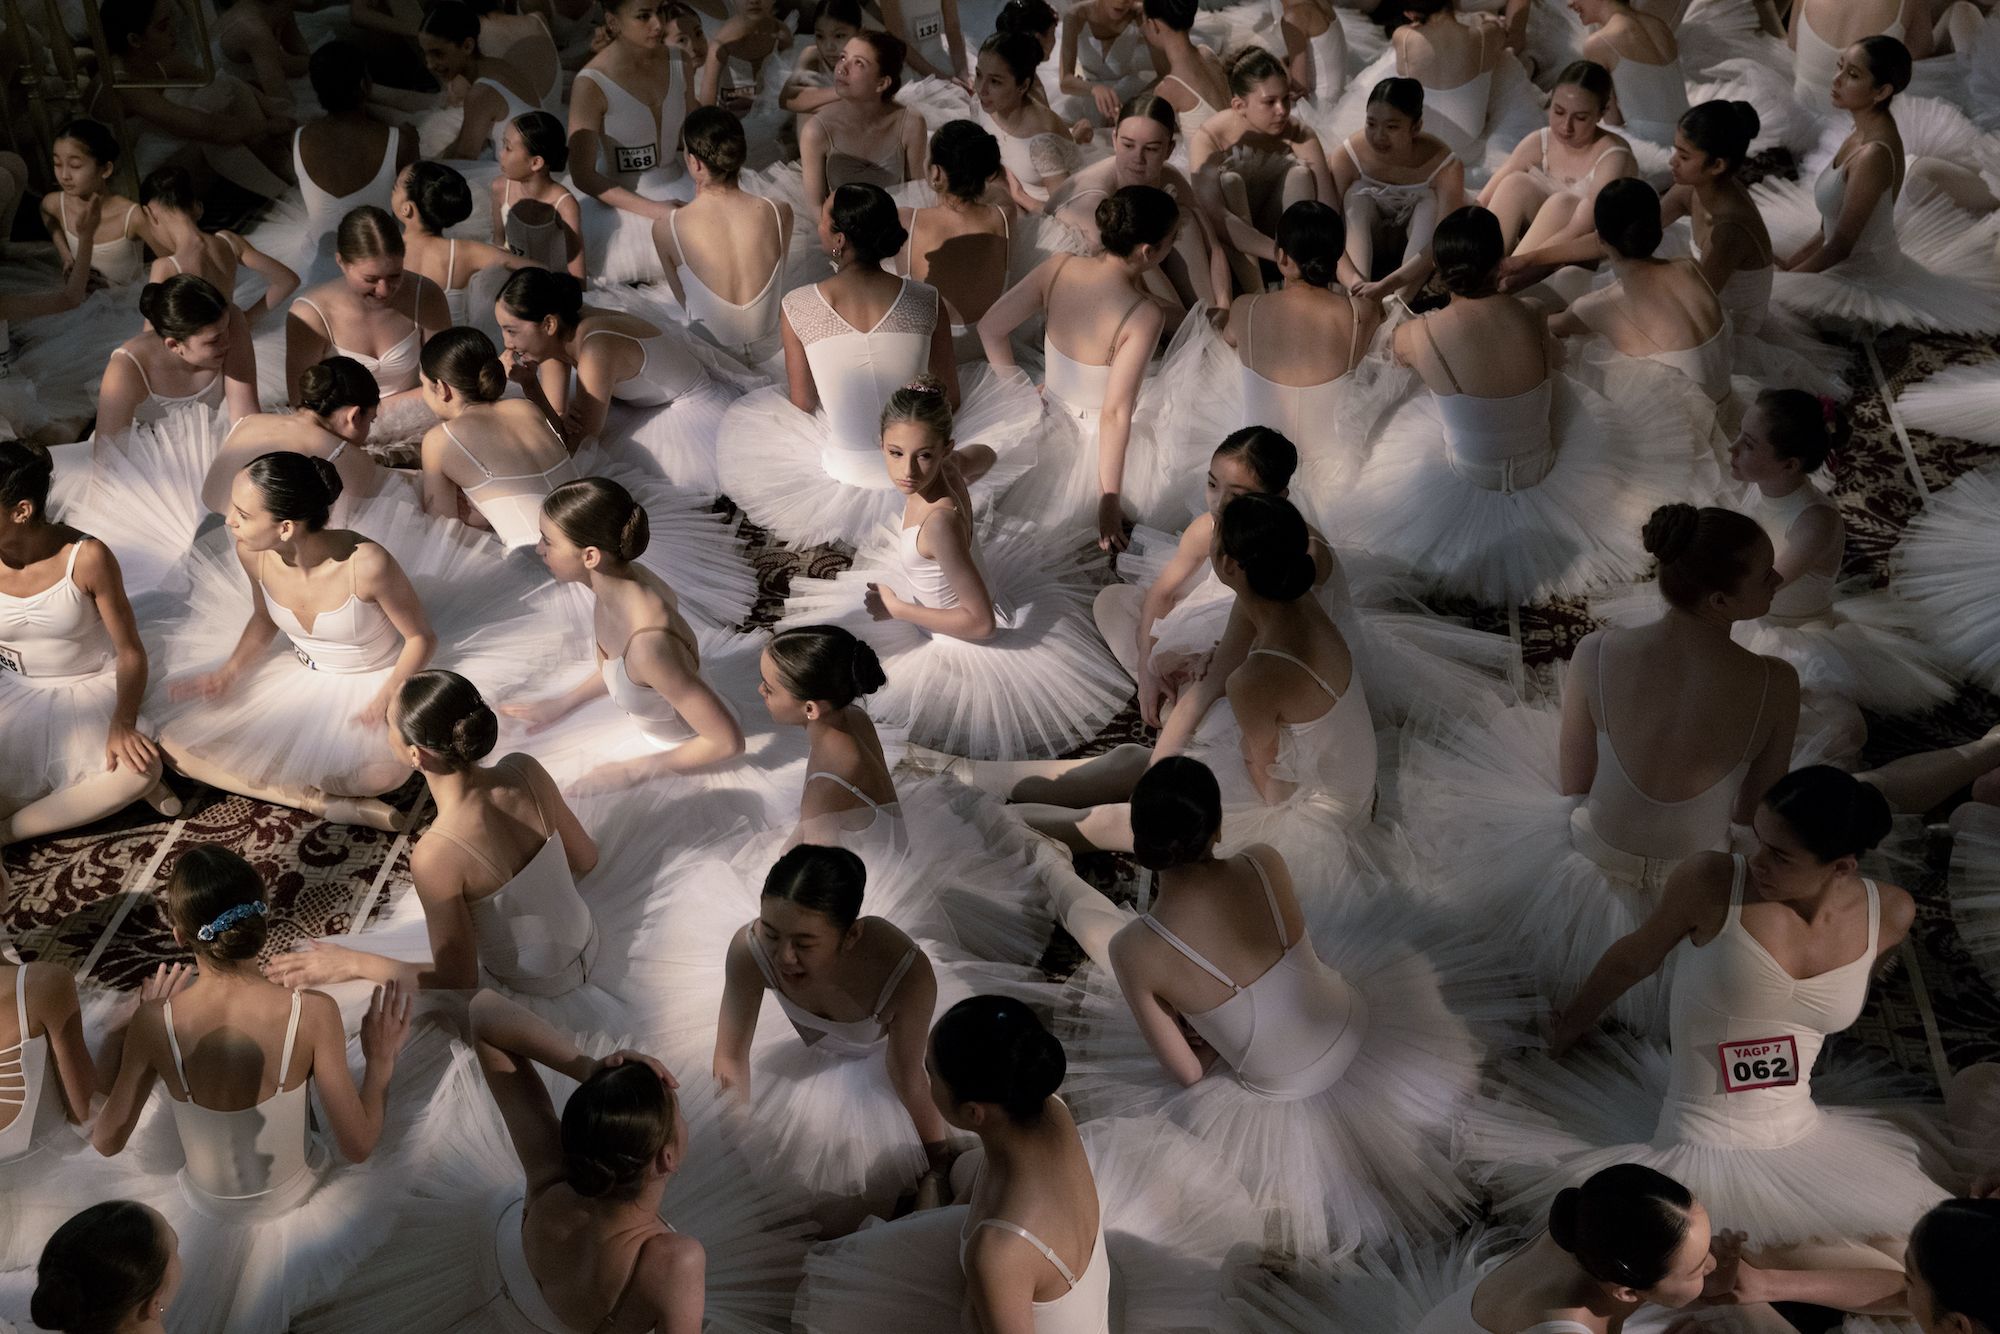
921	401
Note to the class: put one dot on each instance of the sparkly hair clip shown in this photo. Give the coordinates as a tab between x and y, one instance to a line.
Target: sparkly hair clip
924	384
230	917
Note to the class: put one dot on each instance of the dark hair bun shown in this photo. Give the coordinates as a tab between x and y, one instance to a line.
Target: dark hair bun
868	674
1176	813
1670	531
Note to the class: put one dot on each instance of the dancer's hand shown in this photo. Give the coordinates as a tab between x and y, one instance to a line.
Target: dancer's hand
127	745
387	1025
167	981
1111	522
1106	98
881	603
314	963
628	1056
537	714
207	685
375	713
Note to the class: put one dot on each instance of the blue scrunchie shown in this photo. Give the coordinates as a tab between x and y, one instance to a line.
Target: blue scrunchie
242	912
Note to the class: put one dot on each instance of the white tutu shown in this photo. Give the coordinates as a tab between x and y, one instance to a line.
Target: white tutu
1580	525
1943	569
769	459
1410	660
1962	401
1937	276
1170	1218
436	1271
1061	492
1513	112
828	1123
937	101
620	244
1369	1293
1367	1159
144	493
1975	884
249	1275
1041	686
1494	785
1855	1175
285	724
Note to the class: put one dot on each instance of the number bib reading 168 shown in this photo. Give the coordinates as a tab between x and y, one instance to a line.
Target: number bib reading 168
1761	1063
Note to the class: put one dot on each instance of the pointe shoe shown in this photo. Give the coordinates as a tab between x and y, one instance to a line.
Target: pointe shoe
371	812
162	799
935	764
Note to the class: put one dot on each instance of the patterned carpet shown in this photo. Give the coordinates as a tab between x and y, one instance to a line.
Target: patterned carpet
90	899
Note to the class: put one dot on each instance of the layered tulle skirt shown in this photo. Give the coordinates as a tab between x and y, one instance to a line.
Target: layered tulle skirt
1943	570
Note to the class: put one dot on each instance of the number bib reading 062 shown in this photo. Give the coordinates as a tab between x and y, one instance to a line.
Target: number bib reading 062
1760	1063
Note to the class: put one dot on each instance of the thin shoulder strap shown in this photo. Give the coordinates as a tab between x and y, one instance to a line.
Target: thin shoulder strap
1249	329
674	230
450	262
21	999
326	323
1763	696
1006	227
1874	926
1188	951
777	222
910	240
291	1039
895	980
353	578
1271	901
175	260
1738	872
140	366
1604	700
174	1046
62	215
1111	348
471	458
1438	352
541	820
1299	663
69	566
763	959
1034	1241
473	852
130	209
1354	329
1347	147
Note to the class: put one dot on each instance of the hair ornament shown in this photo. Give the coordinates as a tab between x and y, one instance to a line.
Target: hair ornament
230	917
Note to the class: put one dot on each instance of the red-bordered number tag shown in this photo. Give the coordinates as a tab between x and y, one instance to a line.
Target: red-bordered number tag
1761	1063
10	660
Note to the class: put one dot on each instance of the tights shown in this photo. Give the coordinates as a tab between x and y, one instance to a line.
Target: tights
1918	783
79	804
1085	803
1365	222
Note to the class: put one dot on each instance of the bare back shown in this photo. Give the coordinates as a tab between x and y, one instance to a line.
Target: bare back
1302	336
1447	54
963	253
734	242
1680	713
1494	347
343	155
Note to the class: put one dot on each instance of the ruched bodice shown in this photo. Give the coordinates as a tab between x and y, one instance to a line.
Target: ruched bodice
356	636
853	1037
1123	62
855	371
1745	1034
395	369
1294	1030
1810	594
54	636
156	405
512	503
256	1162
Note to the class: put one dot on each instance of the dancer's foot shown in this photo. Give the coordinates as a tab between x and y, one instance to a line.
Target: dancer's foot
162	799
372	812
930	763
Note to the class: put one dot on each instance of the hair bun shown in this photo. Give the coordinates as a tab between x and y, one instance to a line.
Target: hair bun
1562	1217
58	1299
867	668
1670	531
925	383
474	735
1747	118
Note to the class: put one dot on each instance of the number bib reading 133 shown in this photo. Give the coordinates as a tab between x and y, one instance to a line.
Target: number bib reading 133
1761	1063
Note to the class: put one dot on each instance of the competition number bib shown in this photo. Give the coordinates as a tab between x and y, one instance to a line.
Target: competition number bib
10	660
1760	1063
627	161
929	26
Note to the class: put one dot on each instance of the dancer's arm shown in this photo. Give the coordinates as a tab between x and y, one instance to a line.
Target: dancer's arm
1693	905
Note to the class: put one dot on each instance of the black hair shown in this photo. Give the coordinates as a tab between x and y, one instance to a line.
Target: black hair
445	714
613	1127
207	881
1423	9
598	512
1313	235
1176	812
339	75
536	294
466	360
1020	52
182	306
439	194
890	52
1803	426
1700	551
1887	61
867	217
1588	75
1627	217
1467	248
298	487
25	472
170	187
1135	215
1833	813
1251	66
1722	130
367	232
1153	107
828	881
1268	452
450	21
95	136
714	137
1623	1225
1266	536
994	1049
968	155
336	383
99	1267
124	20
840	11
1176	14
545	137
1033	17
1404	95
825	662
1952	1247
